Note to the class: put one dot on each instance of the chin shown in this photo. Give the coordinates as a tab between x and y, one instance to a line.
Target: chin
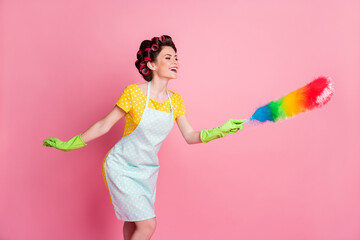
171	77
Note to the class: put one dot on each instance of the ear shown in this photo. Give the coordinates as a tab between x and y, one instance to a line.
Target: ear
151	65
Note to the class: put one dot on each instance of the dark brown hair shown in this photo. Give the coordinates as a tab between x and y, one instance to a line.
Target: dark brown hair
149	51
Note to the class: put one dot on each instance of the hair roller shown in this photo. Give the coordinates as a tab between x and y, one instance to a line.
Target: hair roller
136	61
145	71
141	67
162	38
146	59
142	63
154	38
147	49
154	47
138	52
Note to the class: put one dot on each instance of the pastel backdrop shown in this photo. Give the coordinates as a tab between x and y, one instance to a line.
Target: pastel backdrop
65	63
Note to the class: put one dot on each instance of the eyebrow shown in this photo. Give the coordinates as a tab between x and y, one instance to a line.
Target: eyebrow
170	54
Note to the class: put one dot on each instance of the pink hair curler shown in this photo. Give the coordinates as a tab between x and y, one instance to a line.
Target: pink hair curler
154	38
162	38
141	67
145	71
154	47
146	59
138	52
136	61
142	63
147	49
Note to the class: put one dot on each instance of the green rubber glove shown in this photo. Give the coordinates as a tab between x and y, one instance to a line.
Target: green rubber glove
75	142
231	126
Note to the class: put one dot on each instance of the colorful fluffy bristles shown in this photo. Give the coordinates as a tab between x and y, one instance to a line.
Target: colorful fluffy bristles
314	94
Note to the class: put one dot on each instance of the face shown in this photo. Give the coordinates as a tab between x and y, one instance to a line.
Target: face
166	60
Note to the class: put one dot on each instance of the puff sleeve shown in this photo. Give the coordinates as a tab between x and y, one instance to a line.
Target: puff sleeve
180	107
125	101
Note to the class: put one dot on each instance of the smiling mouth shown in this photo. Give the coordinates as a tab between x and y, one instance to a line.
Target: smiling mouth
173	70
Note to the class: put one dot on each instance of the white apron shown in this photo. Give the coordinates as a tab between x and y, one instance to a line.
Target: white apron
132	165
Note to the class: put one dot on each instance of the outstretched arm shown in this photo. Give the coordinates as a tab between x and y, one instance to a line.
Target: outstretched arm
190	136
207	135
102	126
96	130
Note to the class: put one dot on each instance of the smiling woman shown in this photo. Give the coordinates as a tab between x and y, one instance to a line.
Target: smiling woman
130	169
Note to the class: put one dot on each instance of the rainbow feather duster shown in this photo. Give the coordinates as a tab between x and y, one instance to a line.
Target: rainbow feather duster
314	94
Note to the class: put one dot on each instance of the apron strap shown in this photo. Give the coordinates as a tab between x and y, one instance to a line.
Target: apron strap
147	95
171	110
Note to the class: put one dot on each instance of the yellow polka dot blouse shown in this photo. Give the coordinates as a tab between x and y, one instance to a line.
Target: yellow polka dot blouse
133	100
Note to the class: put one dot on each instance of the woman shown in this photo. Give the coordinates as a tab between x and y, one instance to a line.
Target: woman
130	168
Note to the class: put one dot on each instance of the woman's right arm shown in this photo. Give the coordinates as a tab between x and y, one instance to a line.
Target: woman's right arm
103	126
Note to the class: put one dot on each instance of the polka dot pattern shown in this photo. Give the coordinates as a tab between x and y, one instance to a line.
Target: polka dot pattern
132	101
131	167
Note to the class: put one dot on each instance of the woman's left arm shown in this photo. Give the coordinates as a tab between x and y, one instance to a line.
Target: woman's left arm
190	136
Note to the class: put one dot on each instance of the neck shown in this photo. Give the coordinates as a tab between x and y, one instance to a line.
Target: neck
159	87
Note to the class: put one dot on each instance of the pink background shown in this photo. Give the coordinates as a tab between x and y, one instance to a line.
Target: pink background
65	63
